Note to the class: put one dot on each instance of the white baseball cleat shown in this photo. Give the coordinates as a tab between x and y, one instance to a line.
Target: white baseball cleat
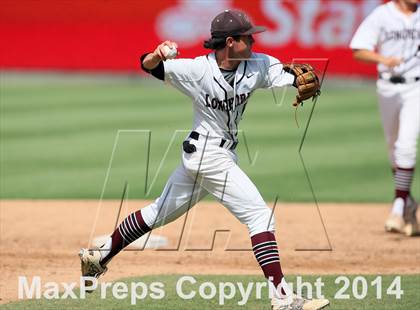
406	224
90	265
298	303
395	222
411	227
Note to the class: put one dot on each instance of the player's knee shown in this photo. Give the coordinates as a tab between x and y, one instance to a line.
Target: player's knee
150	214
261	221
405	157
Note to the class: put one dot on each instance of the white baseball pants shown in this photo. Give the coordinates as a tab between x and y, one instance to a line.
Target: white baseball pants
399	105
214	170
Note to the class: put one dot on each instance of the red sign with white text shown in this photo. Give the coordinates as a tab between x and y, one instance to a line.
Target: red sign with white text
111	35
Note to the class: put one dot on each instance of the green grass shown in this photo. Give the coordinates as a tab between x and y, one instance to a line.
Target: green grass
58	133
410	299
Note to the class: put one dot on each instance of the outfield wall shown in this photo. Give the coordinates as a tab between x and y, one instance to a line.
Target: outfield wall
110	35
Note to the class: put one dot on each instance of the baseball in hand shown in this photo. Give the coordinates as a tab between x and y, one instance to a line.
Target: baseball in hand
169	53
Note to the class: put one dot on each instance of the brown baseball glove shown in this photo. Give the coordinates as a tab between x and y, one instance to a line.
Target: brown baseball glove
306	81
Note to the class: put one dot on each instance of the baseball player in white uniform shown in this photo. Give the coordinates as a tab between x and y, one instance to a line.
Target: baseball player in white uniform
219	85
390	37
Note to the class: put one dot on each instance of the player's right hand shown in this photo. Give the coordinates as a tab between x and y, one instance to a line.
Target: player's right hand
159	49
391	62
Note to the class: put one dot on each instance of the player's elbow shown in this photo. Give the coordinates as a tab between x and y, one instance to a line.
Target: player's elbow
364	55
358	54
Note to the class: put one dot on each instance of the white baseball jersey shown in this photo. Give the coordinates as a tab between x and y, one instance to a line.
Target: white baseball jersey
211	169
218	107
392	34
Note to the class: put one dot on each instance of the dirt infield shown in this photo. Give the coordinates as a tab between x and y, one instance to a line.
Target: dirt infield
43	238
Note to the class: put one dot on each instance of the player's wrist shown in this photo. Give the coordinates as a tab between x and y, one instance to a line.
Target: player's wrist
151	61
156	57
381	60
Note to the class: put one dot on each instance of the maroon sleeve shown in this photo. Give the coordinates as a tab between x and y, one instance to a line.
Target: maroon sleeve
158	72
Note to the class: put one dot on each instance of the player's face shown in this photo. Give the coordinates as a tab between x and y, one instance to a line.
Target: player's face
242	48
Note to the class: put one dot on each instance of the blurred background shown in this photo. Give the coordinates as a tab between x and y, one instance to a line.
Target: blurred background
79	118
